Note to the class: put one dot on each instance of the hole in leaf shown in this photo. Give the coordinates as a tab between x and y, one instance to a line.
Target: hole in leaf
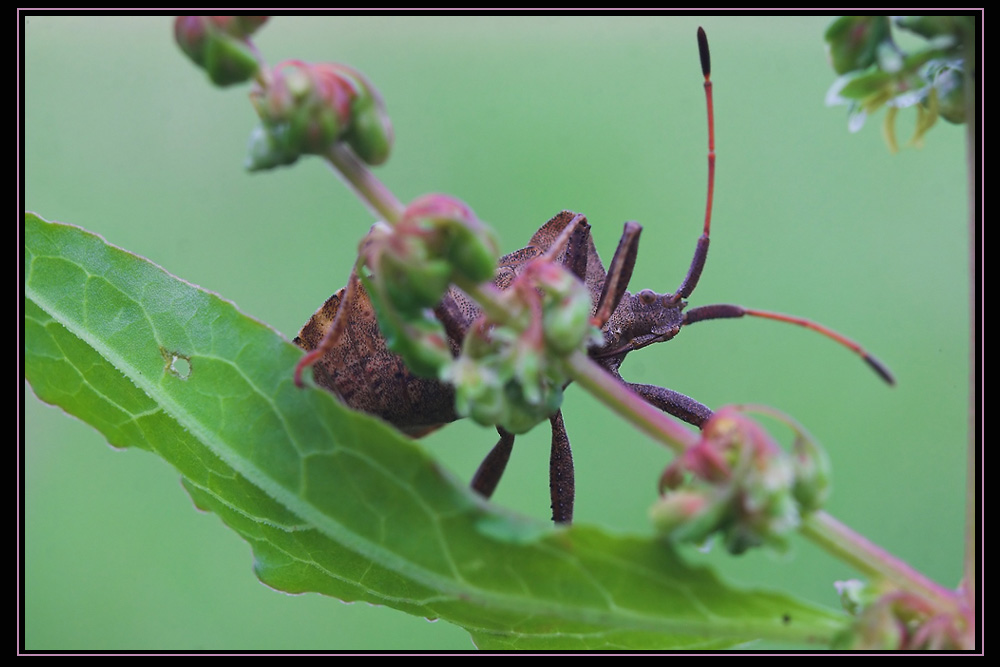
177	364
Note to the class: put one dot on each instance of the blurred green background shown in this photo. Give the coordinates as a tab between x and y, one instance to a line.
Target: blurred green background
520	118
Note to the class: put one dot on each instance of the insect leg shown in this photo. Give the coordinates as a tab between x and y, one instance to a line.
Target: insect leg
575	258
491	469
619	273
562	482
456	312
673	403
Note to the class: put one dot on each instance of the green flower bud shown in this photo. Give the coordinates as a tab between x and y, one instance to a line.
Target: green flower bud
812	474
478	390
454	232
485	407
686	516
370	131
500	378
218	45
949	84
419	338
189	33
229	61
422	344
268	149
522	416
567	320
527	364
413	283
473	250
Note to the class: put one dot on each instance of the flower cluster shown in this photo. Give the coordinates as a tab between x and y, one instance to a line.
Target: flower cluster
305	108
874	71
888	619
508	370
410	265
738	482
510	373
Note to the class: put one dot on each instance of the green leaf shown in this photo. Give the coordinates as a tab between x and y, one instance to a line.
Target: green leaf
336	502
865	84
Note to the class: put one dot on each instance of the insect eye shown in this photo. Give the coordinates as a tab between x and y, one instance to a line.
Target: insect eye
647	296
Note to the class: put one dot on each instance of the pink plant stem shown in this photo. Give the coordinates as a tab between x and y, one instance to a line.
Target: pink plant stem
369	189
628	404
852	548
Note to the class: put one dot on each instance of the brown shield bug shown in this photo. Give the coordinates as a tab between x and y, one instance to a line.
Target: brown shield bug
357	365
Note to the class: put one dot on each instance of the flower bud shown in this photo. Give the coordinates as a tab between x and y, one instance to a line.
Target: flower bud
267	150
219	45
473	250
370	131
949	85
812	473
527	363
687	516
189	33
413	261
240	26
478	390
521	415
412	281
455	232
566	316
422	343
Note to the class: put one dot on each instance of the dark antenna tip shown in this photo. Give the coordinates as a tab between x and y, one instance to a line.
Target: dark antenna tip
706	58
881	369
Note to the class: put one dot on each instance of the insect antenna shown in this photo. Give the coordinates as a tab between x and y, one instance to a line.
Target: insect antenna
701	250
721	311
724	311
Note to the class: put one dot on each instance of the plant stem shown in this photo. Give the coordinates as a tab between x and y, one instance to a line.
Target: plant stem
852	548
263	75
651	421
369	189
